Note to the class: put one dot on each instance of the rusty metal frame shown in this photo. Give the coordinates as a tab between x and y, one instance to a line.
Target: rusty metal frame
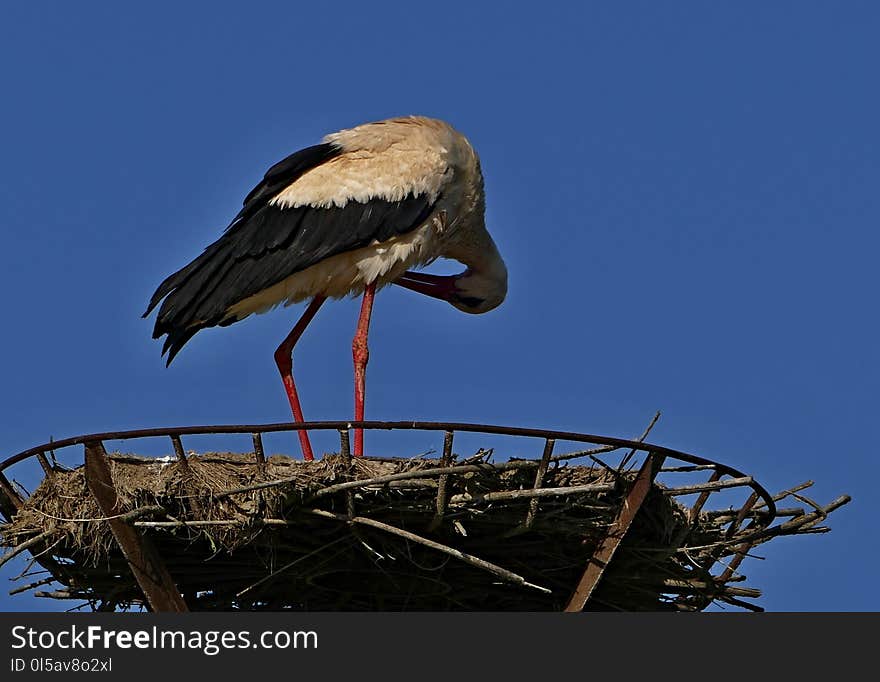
441	500
629	507
545	434
163	595
145	563
10	502
175	433
539	482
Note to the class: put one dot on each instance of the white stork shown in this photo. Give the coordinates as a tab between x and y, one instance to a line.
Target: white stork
347	216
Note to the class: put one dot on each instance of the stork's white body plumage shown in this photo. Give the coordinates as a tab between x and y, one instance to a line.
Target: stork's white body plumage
345	217
345	273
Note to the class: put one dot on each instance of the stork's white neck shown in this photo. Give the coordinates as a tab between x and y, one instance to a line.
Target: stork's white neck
484	283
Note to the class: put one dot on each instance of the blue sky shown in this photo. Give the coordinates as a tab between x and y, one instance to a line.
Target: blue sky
685	194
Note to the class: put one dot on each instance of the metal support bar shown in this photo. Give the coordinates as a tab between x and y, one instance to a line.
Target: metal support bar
442	482
606	443
345	451
146	565
10	502
258	448
694	512
181	457
178	448
616	532
539	481
44	463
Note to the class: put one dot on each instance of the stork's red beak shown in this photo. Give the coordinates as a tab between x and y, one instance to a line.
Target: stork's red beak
436	286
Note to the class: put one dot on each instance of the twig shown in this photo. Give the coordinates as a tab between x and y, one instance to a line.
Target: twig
610	469
481	455
640	439
292	564
48	549
703	487
598	450
810	530
60	594
503	573
788	528
424	473
532	493
441	500
785	493
21	488
30	586
710	587
604	448
813	504
26	572
740	603
214	522
18	549
688	468
549	444
126	516
721	514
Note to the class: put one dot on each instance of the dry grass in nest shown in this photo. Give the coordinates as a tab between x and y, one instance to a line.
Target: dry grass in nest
285	534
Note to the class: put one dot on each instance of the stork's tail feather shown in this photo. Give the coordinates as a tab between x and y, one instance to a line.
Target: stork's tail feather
187	306
175	340
170	321
171	282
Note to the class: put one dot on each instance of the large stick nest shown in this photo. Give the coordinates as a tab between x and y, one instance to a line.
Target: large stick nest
300	541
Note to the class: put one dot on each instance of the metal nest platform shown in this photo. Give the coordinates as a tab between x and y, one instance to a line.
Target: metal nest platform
495	519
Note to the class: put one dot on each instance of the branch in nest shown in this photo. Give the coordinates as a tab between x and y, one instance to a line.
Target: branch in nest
27	544
502	573
423	473
532	493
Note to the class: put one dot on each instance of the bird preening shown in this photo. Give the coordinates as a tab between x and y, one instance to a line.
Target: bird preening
344	217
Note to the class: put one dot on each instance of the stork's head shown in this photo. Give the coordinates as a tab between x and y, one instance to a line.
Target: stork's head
483	285
477	293
471	292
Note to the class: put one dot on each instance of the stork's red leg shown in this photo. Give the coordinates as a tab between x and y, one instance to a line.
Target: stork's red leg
361	355
284	360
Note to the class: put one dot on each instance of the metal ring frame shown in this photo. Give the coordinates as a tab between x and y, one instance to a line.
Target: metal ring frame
344	426
164	596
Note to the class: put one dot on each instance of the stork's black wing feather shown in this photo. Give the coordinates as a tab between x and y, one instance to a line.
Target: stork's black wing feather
284	172
275	179
266	244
